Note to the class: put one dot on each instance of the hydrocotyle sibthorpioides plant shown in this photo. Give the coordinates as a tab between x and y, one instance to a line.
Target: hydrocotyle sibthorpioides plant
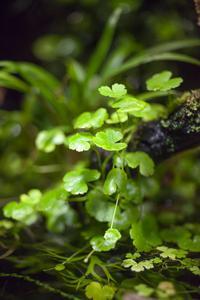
107	197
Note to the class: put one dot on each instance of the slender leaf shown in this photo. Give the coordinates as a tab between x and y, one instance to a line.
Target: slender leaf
104	45
11	82
148	58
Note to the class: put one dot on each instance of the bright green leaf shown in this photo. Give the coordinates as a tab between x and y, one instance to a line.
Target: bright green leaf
106	242
163	82
109	140
116	91
93	291
130	105
20	211
98	244
152	112
96	292
172	253
91	120
117	117
76	181
79	141
32	198
108	292
138	266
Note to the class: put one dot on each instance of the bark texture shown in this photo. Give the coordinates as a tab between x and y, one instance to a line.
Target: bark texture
179	132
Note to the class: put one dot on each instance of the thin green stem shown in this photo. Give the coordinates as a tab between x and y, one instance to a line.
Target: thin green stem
115	210
88	256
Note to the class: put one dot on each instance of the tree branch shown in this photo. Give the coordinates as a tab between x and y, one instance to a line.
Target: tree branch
164	138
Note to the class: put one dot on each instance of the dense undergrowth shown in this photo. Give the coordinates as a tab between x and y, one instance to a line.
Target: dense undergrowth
91	215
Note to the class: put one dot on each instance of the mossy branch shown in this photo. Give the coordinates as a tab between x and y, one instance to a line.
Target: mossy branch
164	138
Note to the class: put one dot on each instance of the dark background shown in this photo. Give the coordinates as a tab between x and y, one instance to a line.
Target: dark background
23	21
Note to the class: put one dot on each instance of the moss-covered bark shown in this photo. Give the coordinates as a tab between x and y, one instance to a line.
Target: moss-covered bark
181	131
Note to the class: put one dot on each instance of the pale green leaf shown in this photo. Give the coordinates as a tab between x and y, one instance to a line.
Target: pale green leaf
106	242
111	236
129	105
79	141
20	211
93	291
48	139
91	120
163	82
172	253
96	292
138	266
32	198
117	117
116	91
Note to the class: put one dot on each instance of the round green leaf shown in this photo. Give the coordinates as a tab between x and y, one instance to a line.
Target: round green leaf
76	181
129	105
141	160
162	82
111	236
109	140
32	198
79	141
117	117
116	91
93	291
91	120
20	211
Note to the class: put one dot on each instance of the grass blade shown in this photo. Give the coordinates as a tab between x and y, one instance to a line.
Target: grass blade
176	45
104	45
147	58
11	82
